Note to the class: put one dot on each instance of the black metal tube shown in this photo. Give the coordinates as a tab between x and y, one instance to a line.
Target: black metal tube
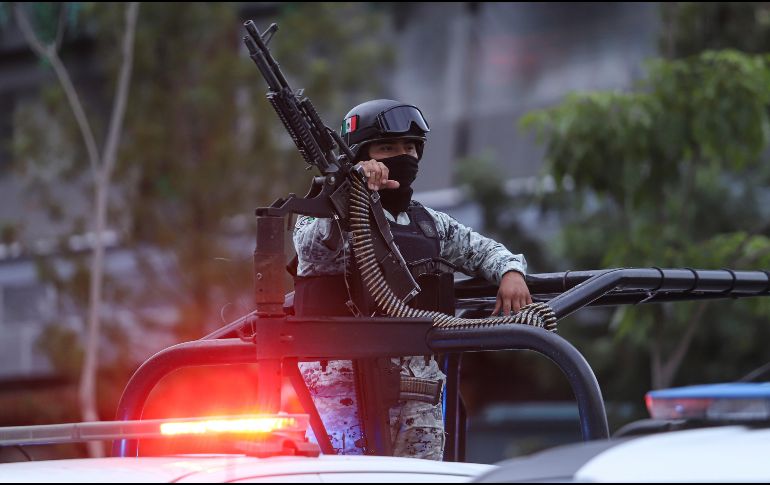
454	426
291	370
611	299
231	329
683	280
593	419
724	282
251	27
559	282
269	261
196	353
658	297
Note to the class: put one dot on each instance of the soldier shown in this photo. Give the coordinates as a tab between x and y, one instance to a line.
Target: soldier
388	138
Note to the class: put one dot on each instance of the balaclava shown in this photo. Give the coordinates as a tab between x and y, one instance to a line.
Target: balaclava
403	169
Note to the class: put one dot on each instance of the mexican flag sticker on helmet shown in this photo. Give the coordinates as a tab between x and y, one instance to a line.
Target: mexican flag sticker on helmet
350	125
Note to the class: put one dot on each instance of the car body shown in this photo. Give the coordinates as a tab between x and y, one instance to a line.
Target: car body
721	454
712	432
249	448
241	468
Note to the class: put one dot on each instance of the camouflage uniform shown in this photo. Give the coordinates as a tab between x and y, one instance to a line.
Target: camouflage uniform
417	427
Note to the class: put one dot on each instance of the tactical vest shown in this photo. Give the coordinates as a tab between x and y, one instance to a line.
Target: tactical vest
418	243
379	384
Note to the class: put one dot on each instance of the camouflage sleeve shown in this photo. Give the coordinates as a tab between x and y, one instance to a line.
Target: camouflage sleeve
473	253
315	257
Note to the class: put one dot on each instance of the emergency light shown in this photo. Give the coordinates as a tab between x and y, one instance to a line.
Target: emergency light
740	401
260	425
244	426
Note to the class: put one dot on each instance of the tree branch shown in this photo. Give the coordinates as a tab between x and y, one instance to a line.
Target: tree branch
121	93
49	53
61	27
28	32
87	389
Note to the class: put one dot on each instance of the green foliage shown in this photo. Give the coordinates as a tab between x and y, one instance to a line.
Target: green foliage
692	27
215	149
202	147
51	20
488	191
45	15
499	210
340	63
671	174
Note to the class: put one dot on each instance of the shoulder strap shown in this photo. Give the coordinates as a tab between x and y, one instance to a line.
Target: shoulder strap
420	215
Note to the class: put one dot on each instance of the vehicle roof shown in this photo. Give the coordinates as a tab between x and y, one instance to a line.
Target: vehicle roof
728	453
231	468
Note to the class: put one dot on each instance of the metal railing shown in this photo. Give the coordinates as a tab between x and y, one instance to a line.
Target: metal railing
283	341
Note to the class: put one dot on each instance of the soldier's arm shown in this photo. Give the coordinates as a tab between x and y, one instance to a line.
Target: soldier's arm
473	253
319	246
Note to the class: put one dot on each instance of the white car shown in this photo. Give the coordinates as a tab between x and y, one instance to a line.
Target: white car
705	433
720	454
274	449
245	469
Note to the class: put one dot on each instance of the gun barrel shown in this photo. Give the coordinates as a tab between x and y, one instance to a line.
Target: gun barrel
253	31
259	59
251	45
251	28
315	141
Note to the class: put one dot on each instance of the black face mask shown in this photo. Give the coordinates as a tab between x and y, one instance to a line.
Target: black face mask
403	169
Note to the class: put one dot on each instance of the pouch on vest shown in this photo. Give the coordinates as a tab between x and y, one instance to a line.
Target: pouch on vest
436	278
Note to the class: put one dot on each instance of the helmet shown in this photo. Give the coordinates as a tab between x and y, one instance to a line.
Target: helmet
382	119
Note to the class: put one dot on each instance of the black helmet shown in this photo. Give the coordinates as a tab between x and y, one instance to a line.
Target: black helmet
381	119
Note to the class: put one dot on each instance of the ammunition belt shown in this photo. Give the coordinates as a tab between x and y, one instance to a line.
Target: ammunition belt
388	302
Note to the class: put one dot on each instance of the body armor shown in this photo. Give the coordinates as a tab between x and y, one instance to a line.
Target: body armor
419	244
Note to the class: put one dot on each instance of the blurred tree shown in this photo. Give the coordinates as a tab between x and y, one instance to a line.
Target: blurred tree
623	208
670	175
203	158
204	148
490	377
689	28
46	44
500	210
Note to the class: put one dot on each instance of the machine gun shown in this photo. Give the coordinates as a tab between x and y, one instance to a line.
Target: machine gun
313	139
382	279
329	196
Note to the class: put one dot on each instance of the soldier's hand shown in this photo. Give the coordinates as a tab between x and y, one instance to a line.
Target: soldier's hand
512	294
377	175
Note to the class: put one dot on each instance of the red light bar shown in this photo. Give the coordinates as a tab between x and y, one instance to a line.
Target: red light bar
257	425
